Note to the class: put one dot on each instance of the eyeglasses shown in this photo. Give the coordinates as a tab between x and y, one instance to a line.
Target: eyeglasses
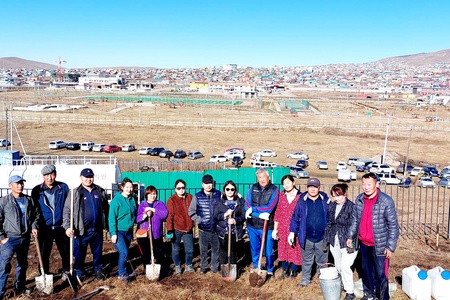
180	188
230	189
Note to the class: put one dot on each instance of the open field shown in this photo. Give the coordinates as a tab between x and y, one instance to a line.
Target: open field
342	129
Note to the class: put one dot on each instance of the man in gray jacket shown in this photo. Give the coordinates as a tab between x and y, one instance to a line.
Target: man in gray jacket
19	216
375	231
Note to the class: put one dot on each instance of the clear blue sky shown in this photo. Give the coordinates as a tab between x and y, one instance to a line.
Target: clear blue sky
198	34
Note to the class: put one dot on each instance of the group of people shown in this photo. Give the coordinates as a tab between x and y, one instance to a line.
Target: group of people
304	225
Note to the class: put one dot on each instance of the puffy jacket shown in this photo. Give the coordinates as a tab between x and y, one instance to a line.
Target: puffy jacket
261	201
298	219
222	224
202	208
384	222
78	212
158	217
10	217
338	225
178	217
50	216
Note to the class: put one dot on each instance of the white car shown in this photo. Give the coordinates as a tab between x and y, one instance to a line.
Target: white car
145	150
341	165
98	147
388	178
128	148
426	182
298	155
267	153
381	168
218	158
57	145
415	171
322	165
87	146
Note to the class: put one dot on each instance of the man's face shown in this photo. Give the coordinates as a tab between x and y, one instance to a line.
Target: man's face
313	191
49	179
263	179
369	186
17	187
87	181
207	187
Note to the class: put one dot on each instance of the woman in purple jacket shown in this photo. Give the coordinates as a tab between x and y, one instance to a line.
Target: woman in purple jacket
156	211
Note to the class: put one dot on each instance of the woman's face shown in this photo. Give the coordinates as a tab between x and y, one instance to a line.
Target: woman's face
151	197
288	184
127	189
180	189
339	199
229	191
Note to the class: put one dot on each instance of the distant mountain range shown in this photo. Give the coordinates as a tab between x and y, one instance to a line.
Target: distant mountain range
420	59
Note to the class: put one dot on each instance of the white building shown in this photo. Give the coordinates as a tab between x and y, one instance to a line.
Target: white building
101	82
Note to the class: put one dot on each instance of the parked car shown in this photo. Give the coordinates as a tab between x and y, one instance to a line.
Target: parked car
112	148
426	182
401	168
73	146
267	153
302	163
166	154
218	158
444	182
195	155
155	151
351	160
4	143
381	168
232	152
444	172
98	147
298	155
388	178
322	165
298	172
128	148
341	165
264	164
416	171
431	171
237	161
57	145
87	146
364	167
145	151
180	154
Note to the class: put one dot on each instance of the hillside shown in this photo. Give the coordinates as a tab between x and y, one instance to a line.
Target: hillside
19	63
420	59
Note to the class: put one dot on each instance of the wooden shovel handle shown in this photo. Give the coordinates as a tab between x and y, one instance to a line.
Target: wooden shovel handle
263	241
38	250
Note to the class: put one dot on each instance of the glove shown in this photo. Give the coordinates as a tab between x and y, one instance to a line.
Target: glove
291	239
248	213
325	247
275	234
169	235
264	216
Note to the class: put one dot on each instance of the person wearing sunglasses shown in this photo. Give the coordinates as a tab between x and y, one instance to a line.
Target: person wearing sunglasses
201	212
179	226
229	210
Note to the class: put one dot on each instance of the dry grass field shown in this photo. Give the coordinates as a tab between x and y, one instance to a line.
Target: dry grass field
342	129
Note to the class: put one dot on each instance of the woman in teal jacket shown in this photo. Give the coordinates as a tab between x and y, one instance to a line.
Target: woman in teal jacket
122	216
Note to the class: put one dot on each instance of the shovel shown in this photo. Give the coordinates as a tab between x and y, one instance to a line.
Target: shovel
258	276
44	283
152	271
229	270
74	281
92	293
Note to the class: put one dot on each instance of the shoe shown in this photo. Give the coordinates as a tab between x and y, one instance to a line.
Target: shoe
349	296
368	298
177	270
294	274
189	269
124	278
303	284
215	271
203	272
23	290
283	275
100	276
269	276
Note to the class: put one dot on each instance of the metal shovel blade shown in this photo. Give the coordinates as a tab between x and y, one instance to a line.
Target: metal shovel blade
257	277
229	272
152	271
44	284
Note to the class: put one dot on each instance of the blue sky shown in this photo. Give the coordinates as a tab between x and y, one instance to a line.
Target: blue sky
198	34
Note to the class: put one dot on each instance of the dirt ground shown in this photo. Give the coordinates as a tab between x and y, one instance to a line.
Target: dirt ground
327	143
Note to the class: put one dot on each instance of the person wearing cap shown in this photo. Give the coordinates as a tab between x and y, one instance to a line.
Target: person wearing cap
308	223
19	216
90	218
260	204
374	231
201	211
51	196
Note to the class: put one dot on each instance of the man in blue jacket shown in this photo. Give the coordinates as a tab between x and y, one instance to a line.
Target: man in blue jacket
308	222
51	196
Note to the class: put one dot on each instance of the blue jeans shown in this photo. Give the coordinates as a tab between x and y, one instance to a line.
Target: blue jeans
95	240
312	251
122	245
375	282
18	245
255	236
188	241
205	239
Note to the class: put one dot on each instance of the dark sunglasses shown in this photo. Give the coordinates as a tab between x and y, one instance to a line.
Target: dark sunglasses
180	188
230	189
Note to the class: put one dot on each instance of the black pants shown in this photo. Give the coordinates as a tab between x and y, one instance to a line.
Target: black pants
46	237
223	250
144	247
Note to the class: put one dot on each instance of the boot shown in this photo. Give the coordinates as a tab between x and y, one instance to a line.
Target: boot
283	275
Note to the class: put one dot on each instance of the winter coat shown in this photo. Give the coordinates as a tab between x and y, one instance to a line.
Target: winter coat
122	213
157	218
178	217
201	209
51	217
261	201
222	224
338	225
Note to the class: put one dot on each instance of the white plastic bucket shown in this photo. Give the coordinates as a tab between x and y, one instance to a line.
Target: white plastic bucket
416	283
440	283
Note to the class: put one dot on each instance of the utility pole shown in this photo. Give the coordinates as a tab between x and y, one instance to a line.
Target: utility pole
405	169
6	128
385	141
